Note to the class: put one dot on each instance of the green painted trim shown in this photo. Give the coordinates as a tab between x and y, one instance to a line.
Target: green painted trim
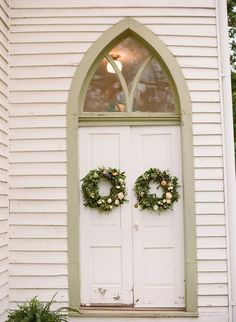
81	78
133	313
121	78
108	121
136	80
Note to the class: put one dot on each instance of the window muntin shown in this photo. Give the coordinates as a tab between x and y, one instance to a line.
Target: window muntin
129	80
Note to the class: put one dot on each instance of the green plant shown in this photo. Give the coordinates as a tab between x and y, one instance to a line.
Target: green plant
35	311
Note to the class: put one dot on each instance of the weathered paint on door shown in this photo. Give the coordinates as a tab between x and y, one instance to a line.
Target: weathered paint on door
131	257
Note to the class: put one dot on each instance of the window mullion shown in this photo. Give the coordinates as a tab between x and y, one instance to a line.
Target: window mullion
136	79
122	81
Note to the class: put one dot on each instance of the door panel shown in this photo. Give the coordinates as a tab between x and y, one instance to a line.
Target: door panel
158	243
122	265
105	240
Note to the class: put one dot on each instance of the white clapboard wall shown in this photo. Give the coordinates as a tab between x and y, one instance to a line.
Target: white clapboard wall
4	210
48	40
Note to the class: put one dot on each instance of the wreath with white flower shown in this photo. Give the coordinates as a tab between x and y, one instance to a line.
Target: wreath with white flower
164	181
90	189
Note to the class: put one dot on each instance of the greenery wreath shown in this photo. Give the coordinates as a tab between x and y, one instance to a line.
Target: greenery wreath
90	189
165	181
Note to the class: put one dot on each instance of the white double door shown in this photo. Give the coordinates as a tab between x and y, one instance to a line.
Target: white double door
131	257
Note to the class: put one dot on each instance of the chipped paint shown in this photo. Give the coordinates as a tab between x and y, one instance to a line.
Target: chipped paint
102	291
117	297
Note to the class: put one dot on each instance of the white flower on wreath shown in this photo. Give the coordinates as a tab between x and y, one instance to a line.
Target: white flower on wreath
117	202
117	187
109	200
168	195
121	180
92	195
120	195
155	207
111	206
164	201
141	193
170	188
168	201
95	175
99	202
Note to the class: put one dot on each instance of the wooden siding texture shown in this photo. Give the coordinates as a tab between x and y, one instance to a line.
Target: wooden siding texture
48	40
4	209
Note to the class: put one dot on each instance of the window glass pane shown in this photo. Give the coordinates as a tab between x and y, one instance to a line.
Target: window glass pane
104	93
131	53
153	92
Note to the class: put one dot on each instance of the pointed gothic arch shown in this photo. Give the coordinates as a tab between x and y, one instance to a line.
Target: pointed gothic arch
85	68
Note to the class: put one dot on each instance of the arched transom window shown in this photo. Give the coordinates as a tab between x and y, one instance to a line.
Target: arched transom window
129	80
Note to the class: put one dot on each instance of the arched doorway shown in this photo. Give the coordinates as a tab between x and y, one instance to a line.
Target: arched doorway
148	105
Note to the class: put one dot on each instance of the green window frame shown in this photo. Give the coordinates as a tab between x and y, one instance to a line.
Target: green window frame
183	118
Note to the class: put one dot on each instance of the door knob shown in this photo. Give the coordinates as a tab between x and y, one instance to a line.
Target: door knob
136	225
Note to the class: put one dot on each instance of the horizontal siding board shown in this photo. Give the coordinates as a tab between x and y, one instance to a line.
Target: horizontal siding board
39	181
48	37
38	168
208	231
63	22
38	96
208	162
209	185
106	12
37	145
208	174
39	282
206	107
213	300
38	244
39	257
198	62
208	151
38	110
206	118
30	157
210	208
42	294
203	196
209	96
38	270
38	193
72	59
38	84
200	129
38	206
212	278
38	231
38	133
210	220
37	122
213	289
204	254
27	4
35	72
208	140
211	242
212	266
203	85
41	219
